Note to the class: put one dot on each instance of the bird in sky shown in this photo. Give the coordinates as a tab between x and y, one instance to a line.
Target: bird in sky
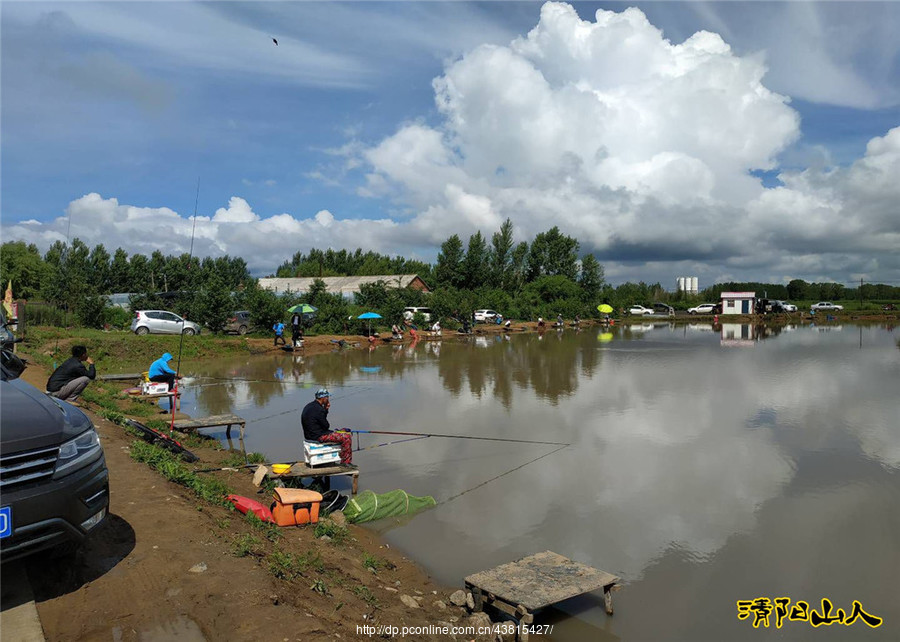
275	41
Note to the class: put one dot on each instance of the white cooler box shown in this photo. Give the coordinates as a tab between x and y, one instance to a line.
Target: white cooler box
154	388
316	454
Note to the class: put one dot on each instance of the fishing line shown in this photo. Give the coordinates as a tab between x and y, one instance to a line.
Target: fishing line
511	470
65	258
311	384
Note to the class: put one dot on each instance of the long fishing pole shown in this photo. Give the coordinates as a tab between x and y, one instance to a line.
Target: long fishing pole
64	259
389	443
431	434
174	399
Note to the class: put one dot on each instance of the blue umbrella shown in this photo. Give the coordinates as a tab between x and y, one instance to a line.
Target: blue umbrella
369	316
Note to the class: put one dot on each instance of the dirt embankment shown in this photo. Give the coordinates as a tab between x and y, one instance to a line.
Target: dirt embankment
169	565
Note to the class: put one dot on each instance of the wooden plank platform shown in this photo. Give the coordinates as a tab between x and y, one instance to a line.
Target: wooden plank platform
529	584
300	469
186	425
157	395
132	376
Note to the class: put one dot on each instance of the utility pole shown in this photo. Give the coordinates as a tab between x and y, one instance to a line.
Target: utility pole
860	293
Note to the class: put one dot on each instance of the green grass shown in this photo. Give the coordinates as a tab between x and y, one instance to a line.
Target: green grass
338	534
376	563
366	595
268	530
123	351
245	545
173	469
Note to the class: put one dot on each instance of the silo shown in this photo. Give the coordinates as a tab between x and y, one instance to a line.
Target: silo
694	285
680	284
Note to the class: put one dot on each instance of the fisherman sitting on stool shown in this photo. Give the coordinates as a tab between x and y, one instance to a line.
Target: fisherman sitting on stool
314	420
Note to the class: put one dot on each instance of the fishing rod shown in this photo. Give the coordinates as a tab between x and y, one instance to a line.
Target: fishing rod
389	443
174	399
430	434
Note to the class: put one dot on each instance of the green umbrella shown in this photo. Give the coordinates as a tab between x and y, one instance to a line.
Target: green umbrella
302	308
604	308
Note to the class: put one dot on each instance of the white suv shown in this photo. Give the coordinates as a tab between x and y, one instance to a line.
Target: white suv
487	316
703	308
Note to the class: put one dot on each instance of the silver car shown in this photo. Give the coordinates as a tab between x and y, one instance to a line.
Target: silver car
161	322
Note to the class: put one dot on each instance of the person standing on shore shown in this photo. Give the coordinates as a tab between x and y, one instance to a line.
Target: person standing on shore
296	331
279	333
314	420
70	379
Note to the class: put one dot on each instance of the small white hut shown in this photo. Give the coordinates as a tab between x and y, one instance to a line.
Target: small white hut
738	302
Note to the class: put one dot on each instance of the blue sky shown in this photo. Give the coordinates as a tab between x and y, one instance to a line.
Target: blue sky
391	125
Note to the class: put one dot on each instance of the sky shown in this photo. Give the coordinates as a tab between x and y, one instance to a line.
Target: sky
729	141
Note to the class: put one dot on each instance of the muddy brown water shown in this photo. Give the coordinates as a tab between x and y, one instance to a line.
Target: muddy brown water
706	467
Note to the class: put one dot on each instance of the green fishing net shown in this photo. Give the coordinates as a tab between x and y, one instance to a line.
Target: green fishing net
368	507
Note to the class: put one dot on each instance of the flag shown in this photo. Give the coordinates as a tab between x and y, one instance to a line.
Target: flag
8	301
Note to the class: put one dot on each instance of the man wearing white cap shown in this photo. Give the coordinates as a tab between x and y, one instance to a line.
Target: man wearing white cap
314	420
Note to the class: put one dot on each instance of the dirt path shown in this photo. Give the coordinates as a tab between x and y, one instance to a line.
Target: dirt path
164	567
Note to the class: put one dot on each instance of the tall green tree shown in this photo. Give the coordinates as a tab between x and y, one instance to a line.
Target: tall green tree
24	266
591	277
501	255
475	263
553	253
449	268
214	304
119	280
518	268
100	269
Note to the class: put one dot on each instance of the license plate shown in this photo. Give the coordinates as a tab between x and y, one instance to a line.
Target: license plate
5	521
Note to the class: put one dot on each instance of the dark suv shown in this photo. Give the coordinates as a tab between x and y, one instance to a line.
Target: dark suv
239	322
53	477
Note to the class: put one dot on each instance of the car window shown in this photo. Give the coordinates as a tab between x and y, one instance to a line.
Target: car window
152	314
168	316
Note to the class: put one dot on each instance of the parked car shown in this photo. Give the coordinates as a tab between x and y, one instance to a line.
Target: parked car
703	308
53	475
239	322
639	310
161	322
784	306
409	313
487	316
664	309
889	307
826	305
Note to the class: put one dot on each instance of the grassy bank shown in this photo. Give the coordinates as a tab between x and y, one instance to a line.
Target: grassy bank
125	351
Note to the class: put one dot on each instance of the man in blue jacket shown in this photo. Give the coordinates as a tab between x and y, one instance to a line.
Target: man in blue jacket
160	371
279	333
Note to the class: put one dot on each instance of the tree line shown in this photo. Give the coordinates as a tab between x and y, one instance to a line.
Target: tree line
520	280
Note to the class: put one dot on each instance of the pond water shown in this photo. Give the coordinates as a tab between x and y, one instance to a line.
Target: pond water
705	467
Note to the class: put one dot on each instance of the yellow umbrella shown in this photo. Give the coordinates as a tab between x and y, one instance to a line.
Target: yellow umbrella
605	337
604	308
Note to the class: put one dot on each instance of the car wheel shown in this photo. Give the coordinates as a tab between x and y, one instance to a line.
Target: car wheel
242	330
692	312
142	330
189	332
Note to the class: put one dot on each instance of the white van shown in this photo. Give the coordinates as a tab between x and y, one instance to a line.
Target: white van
409	313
